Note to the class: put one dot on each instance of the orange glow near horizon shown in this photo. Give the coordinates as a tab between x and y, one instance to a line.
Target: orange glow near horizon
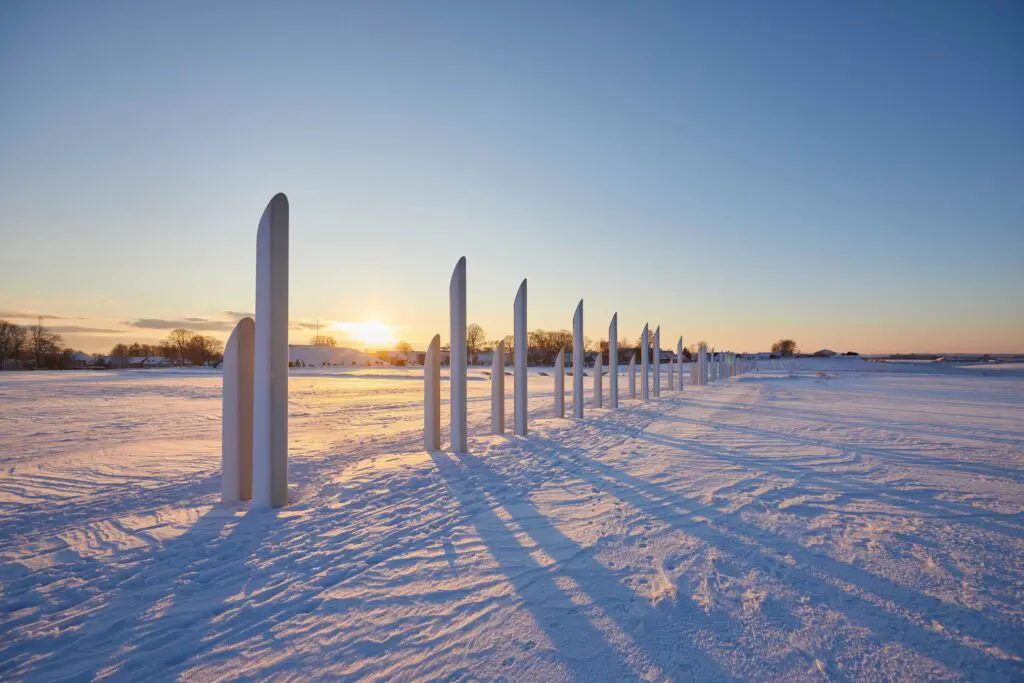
371	333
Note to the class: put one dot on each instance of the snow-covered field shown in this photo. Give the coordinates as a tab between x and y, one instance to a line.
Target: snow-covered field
816	520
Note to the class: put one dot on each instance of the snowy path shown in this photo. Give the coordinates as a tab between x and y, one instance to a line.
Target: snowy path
867	526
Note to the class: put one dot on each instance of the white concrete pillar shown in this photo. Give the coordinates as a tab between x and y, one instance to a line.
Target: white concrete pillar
679	360
270	359
632	376
671	374
598	370
457	340
577	360
657	361
522	338
236	420
613	362
560	383
645	390
432	396
498	390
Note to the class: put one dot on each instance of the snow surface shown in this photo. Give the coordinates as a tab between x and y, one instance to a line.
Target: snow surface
818	519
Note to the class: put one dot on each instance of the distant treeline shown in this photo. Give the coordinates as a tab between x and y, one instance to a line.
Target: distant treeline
34	347
543	345
182	347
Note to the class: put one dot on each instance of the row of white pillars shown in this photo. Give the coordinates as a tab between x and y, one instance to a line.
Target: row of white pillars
254	424
254	453
703	369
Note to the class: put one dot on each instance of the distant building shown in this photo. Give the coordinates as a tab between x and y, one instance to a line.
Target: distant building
318	356
80	360
824	353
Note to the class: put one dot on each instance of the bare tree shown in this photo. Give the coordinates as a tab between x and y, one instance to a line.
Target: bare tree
12	341
785	347
323	340
41	342
179	340
119	353
404	348
475	338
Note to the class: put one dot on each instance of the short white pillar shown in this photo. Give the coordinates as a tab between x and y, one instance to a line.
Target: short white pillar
520	402
270	359
632	376
671	374
598	401
657	361
679	360
645	351
560	383
577	360
457	340
498	390
613	362
236	420
432	396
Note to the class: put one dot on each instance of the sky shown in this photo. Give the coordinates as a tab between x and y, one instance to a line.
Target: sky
849	175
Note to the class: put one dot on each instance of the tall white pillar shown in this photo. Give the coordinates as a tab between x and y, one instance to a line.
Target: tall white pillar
236	420
645	391
457	339
632	376
560	383
598	399
270	359
520	402
613	362
679	360
577	360
498	390
432	396
657	361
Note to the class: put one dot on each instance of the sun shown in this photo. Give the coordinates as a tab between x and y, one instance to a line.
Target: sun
369	332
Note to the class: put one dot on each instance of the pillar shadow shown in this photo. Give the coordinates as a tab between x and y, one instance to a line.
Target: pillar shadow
644	624
768	552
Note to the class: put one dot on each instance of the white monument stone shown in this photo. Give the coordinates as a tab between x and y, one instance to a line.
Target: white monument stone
520	402
671	374
679	360
645	391
432	396
613	362
657	362
560	383
598	399
632	376
457	339
236	423
577	360
498	390
270	359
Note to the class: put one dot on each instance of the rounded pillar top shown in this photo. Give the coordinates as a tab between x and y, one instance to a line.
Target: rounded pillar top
460	270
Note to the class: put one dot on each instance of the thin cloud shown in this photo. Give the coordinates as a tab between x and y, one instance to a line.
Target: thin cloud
78	329
25	315
195	324
239	314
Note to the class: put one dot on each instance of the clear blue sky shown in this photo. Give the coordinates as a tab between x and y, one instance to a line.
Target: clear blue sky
848	174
